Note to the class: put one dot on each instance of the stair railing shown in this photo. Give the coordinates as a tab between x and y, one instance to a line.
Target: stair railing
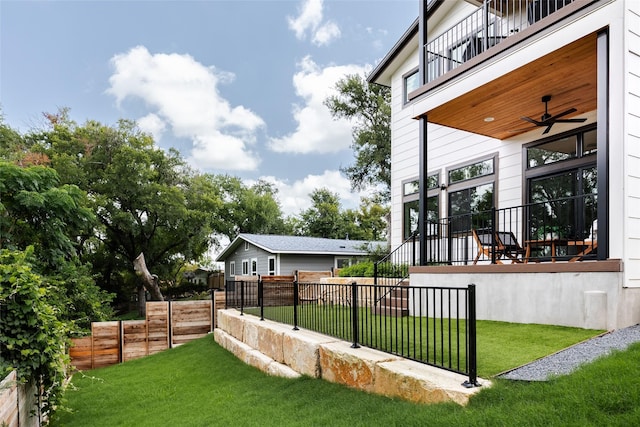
393	268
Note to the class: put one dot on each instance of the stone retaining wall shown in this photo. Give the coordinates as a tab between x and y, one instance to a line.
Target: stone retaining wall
278	350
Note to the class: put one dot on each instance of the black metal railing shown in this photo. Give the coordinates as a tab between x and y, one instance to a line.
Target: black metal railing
487	26
393	269
438	328
562	229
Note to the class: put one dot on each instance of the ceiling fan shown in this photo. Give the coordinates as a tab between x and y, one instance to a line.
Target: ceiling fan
547	120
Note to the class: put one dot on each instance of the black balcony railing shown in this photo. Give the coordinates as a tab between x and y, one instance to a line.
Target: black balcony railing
556	230
439	330
487	26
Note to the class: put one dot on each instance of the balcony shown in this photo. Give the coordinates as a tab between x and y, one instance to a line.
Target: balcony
485	28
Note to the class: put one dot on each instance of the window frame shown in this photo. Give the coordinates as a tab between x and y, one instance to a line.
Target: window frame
232	269
405	78
253	265
415	196
245	267
271	271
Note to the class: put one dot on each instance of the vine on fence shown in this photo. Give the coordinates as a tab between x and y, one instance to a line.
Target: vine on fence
32	339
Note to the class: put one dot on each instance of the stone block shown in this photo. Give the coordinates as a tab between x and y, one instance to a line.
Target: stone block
421	383
230	321
302	351
354	367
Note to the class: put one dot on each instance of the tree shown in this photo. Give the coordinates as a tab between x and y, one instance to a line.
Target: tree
325	218
145	199
248	209
53	219
370	106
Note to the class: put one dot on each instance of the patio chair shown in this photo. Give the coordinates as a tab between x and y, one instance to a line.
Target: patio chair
508	244
484	240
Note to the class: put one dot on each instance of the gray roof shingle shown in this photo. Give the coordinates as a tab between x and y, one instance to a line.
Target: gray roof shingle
302	245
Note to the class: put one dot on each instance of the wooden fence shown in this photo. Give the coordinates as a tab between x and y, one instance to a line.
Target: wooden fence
18	403
167	324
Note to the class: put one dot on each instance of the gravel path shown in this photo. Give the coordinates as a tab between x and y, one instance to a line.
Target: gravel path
567	360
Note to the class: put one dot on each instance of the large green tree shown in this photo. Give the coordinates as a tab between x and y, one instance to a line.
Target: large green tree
369	106
326	218
147	200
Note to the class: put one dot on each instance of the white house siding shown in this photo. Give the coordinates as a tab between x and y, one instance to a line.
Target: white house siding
632	141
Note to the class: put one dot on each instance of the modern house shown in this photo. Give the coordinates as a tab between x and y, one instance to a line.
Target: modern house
274	255
516	155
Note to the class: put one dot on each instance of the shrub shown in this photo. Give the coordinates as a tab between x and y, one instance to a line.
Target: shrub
32	339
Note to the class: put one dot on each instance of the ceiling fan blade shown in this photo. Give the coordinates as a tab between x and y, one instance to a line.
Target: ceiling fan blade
564	113
547	129
530	120
581	120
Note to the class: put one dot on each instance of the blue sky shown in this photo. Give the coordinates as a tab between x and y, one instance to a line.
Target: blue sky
236	86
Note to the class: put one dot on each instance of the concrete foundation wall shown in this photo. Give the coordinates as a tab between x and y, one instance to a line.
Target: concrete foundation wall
592	300
277	349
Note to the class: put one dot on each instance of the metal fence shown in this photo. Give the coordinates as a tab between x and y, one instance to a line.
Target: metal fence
431	325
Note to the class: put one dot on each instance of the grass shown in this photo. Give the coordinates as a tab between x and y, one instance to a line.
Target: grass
201	384
500	346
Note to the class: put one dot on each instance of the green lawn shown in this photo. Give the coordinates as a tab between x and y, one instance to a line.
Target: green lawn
201	384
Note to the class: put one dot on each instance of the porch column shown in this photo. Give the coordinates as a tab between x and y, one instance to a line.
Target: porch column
422	202
603	144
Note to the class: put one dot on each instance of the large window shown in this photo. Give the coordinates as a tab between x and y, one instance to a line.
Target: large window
471	190
411	205
562	186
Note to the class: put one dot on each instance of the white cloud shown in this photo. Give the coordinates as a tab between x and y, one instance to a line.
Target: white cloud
184	96
153	125
294	197
310	21
326	33
317	131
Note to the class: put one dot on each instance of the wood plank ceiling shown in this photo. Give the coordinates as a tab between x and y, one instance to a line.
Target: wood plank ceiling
567	74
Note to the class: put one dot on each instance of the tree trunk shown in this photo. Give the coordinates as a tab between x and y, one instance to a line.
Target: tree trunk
142	301
149	281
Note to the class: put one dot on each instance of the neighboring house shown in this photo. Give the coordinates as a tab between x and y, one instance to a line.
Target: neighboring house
516	137
272	255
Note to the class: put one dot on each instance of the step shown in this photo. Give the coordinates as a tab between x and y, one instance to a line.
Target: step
391	311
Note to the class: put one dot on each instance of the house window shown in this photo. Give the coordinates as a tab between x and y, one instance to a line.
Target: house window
471	189
342	262
232	268
411	209
562	186
271	261
245	267
246	246
254	266
411	82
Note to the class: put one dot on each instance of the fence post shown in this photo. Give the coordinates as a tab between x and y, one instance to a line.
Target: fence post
213	309
295	305
261	297
375	283
471	337
170	331
354	309
121	340
242	298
